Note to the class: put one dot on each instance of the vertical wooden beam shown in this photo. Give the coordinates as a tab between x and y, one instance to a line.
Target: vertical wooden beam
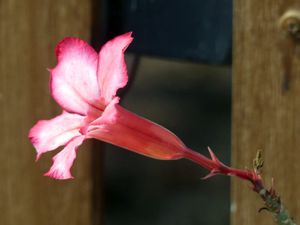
266	106
29	31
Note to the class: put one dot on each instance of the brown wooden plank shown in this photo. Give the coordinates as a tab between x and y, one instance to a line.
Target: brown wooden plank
266	106
29	31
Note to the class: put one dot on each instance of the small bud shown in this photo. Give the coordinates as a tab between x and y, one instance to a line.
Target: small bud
258	162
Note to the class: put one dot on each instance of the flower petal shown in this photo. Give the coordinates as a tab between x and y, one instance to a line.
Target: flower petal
112	71
47	135
125	129
63	161
73	81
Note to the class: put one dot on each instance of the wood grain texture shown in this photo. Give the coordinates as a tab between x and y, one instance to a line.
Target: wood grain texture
266	106
29	31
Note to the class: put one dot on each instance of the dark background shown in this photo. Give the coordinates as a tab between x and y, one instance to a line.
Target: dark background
179	66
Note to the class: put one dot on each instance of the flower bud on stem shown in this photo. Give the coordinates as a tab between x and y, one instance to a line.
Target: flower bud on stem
272	201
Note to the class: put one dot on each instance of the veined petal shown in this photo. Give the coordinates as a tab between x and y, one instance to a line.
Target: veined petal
112	71
63	161
125	129
73	81
47	135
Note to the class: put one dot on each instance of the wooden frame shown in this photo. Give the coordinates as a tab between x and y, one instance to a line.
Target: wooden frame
266	105
29	32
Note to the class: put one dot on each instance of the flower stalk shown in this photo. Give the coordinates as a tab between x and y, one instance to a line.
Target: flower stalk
271	200
216	167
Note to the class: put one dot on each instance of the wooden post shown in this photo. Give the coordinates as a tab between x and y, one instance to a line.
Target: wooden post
266	106
29	31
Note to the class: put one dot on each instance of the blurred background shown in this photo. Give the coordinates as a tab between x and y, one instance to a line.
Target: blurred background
180	70
180	77
193	101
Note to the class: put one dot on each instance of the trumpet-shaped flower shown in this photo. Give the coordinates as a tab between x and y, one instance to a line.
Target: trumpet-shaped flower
85	84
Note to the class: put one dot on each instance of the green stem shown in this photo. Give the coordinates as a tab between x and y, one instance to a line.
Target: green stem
272	202
274	205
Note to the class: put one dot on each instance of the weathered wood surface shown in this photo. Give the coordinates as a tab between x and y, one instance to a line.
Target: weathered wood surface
266	106
29	31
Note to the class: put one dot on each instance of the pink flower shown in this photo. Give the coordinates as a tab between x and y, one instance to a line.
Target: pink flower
85	83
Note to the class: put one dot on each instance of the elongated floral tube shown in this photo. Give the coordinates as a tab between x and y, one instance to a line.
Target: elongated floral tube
123	128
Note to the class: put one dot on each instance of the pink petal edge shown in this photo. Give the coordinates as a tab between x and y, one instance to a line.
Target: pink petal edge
47	135
63	161
112	71
73	81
